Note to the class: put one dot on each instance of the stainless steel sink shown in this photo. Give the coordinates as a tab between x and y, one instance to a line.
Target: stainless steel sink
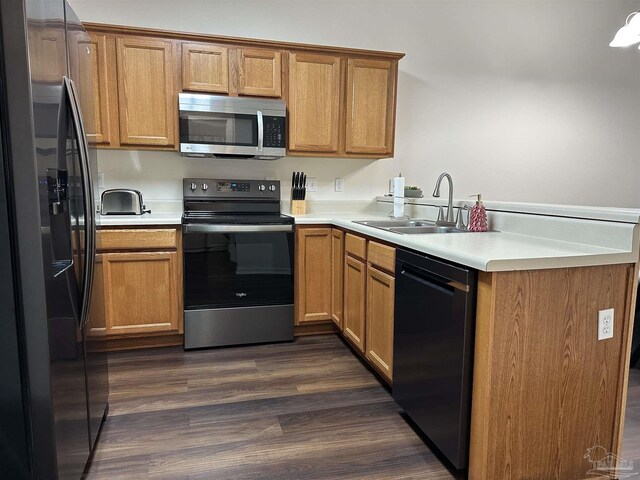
426	229
409	226
388	224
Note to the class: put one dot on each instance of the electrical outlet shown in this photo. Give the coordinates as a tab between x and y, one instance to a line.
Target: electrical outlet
312	184
605	324
339	184
100	179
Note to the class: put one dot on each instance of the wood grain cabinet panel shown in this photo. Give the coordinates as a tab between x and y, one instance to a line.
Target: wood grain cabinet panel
205	67
379	320
141	292
337	275
147	100
382	256
370	106
313	274
355	246
314	102
355	285
93	89
260	72
545	389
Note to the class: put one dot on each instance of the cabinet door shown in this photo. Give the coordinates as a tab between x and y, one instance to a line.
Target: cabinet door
260	72
147	102
370	106
93	88
314	102
380	304
313	274
205	68
141	292
337	271
355	282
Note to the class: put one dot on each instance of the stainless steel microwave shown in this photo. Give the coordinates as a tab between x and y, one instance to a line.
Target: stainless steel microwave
232	127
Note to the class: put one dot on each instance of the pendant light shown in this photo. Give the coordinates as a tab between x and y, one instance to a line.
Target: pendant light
629	34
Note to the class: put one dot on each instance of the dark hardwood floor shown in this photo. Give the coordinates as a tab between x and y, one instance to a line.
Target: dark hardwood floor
302	410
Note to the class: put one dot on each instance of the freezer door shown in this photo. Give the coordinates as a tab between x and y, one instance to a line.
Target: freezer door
82	65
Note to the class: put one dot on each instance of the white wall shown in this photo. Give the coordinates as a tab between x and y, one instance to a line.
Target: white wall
520	100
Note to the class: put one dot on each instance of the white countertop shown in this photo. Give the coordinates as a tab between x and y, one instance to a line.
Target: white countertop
488	251
174	218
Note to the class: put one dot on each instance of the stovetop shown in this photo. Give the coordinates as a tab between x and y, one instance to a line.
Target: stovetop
233	202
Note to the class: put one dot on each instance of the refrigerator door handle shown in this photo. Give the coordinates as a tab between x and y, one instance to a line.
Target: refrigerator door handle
89	201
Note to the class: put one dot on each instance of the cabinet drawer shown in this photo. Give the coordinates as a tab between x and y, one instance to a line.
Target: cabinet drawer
382	256
139	239
356	246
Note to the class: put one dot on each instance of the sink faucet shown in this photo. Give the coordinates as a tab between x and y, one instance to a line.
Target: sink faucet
449	220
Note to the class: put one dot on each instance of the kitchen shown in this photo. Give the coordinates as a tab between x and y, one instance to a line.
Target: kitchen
520	101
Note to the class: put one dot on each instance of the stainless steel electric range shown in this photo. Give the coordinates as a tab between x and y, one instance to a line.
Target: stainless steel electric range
238	263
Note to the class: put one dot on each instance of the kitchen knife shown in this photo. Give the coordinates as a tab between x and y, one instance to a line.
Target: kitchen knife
296	186
304	186
293	184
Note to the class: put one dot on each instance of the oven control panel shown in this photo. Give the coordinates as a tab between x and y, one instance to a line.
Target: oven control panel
206	188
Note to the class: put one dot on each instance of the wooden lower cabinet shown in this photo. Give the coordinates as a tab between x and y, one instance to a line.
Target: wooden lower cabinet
355	285
141	292
137	300
313	275
337	275
379	320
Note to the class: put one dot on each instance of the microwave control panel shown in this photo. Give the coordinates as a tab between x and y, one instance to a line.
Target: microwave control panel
274	132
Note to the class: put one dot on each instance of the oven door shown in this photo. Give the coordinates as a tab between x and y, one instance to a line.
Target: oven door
230	266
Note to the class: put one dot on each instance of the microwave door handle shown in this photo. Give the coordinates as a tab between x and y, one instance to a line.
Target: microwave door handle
89	227
260	131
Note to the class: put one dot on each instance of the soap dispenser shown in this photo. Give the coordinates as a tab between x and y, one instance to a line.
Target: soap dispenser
478	216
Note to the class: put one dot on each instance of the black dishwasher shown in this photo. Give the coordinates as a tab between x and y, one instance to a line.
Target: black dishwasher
433	349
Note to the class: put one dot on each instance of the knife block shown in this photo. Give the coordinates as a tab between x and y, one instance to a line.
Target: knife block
298	207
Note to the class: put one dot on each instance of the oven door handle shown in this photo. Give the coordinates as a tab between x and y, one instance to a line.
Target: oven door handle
206	228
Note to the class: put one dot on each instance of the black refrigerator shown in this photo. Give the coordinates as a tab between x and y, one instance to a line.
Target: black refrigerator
53	366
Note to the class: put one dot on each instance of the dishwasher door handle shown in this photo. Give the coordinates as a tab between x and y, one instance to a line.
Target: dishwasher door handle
441	284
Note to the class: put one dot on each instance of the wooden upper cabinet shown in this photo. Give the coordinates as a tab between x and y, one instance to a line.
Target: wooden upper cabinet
314	102
259	72
370	106
147	99
205	67
313	274
93	89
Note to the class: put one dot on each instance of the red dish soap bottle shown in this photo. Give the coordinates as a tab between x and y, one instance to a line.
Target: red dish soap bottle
478	216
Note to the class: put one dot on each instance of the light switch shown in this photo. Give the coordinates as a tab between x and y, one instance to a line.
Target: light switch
339	184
